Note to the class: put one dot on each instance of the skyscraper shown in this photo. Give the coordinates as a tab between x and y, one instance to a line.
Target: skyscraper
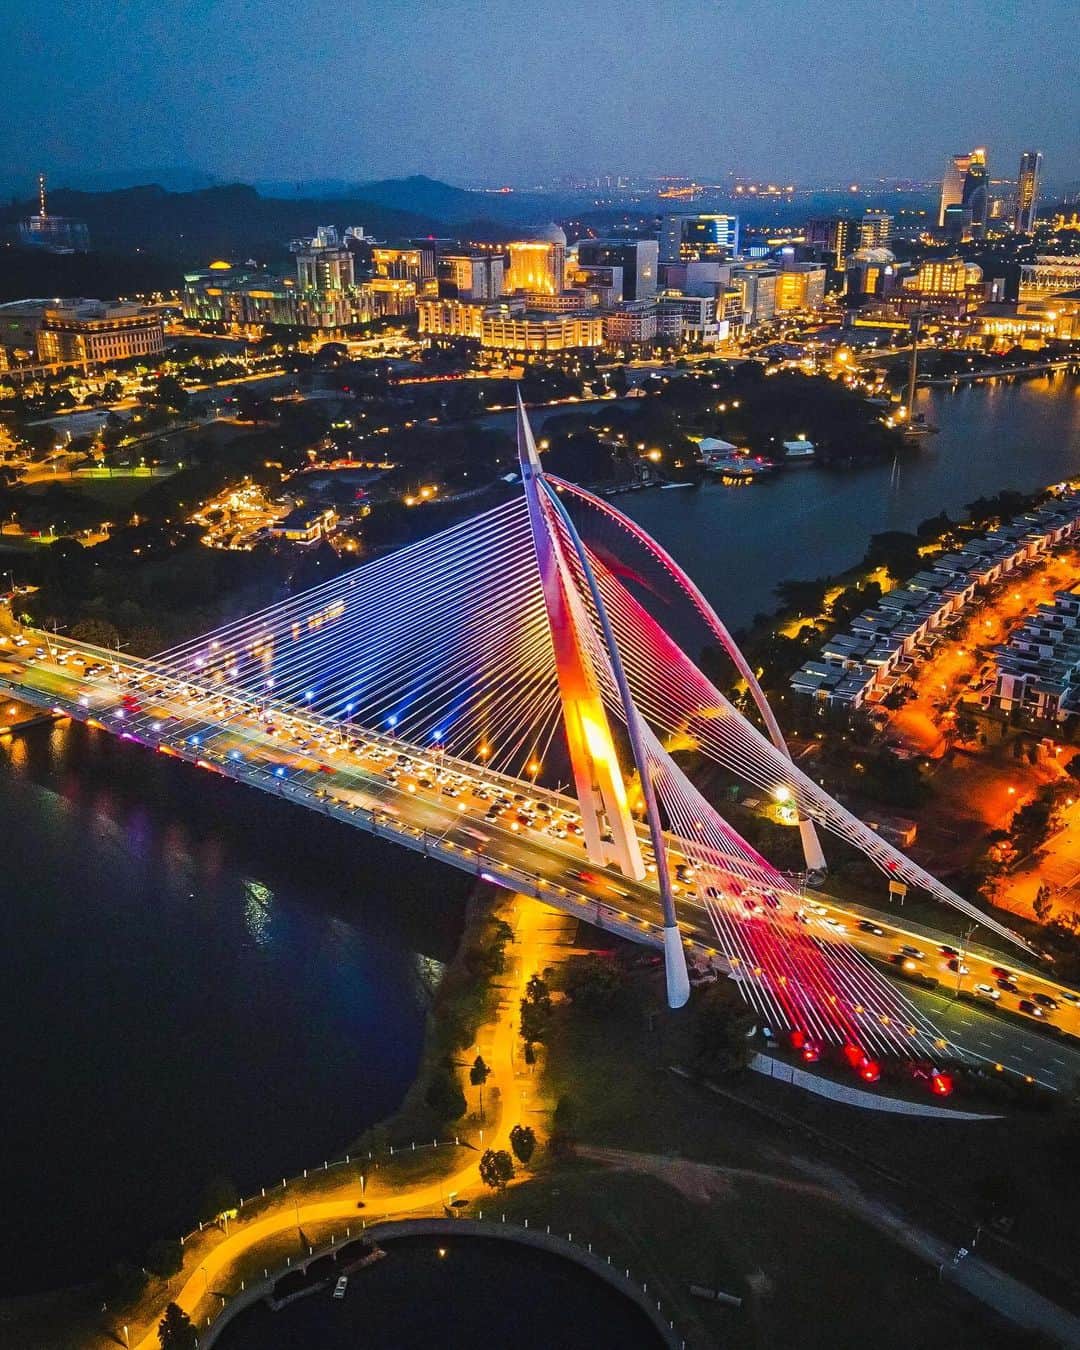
636	257
1027	191
690	238
963	193
952	185
831	235
875	228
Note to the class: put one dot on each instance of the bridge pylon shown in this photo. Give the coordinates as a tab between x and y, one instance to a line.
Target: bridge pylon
608	827
606	821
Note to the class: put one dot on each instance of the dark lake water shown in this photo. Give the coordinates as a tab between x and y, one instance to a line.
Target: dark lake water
195	980
481	1292
738	542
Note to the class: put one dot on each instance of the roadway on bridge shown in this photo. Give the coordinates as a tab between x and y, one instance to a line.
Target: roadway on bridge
484	816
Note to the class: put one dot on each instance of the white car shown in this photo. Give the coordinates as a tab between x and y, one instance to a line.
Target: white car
341	1286
988	991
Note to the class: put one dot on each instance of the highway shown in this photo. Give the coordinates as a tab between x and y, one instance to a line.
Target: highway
515	834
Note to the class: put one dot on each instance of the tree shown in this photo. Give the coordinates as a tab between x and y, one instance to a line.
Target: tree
594	985
523	1142
175	1331
496	1168
170	393
444	1095
98	631
805	598
164	1257
722	1027
478	1076
219	1196
896	551
535	1010
1041	904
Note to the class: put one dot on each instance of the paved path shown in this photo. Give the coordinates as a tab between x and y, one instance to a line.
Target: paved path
703	1182
538	931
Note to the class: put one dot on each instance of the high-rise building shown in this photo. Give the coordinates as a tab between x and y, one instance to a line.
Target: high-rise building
638	259
631	324
404	264
1027	191
963	194
450	317
324	267
689	238
689	319
832	237
875	228
758	285
952	185
538	264
800	286
472	276
604	285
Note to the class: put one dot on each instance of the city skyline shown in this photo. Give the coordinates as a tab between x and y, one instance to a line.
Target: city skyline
364	93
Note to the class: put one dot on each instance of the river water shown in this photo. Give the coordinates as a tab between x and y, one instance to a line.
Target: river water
738	542
197	980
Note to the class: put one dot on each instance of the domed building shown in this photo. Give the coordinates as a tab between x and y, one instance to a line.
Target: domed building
538	263
549	234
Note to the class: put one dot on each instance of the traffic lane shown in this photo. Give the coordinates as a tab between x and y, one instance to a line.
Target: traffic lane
996	1041
557	862
932	960
247	733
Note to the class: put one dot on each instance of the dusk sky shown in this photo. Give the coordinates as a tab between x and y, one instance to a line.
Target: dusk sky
528	89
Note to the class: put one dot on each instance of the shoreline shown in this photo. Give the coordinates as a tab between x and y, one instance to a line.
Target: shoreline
75	1303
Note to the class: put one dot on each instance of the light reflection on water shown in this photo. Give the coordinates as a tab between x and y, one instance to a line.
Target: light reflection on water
810	522
194	982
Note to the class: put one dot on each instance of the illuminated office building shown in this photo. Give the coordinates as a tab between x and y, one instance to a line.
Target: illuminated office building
531	332
831	236
1027	191
538	264
98	332
875	228
404	264
963	206
638	259
800	286
472	276
324	268
686	238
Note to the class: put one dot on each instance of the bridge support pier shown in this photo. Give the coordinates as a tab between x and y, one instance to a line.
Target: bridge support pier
812	850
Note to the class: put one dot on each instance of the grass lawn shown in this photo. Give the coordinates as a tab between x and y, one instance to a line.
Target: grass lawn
811	1271
122	489
808	1276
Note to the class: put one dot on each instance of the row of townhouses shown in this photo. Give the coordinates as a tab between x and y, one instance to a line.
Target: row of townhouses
884	643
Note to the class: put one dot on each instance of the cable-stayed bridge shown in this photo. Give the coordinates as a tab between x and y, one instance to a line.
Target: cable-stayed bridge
436	696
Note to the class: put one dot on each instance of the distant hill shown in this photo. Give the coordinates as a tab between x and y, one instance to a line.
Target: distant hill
233	221
174	178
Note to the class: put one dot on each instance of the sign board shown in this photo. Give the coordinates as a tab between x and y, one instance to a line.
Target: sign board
898	888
